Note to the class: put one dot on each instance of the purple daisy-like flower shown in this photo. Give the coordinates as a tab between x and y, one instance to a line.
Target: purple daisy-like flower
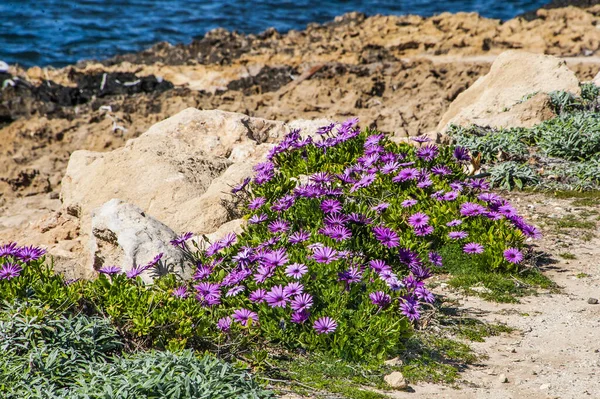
244	257
275	258
530	231
31	253
180	241
336	219
110	270
453	223
10	249
473	248
365	181
461	154
224	324
418	219
378	266
435	259
203	272
489	197
299	317
279	226
213	248
135	271
277	298
409	202
507	210
425	183
257	296
513	255
423	230
241	186
323	130
256	203
298	237
256	219
336	232
235	290
292	289
284	203
380	299
428	152
9	271
471	209
373	139
301	302
389	167
359	218
386	236
263	273
352	275
323	254
296	270
424	295
458	235
325	325
410	308
380	207
406	174
421	139
321	178
441	170
243	316
479	184
228	240
331	206
450	196
180	292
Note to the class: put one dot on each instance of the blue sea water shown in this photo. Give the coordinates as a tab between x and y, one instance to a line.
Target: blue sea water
61	32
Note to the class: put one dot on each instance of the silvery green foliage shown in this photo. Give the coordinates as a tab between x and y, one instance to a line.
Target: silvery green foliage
509	175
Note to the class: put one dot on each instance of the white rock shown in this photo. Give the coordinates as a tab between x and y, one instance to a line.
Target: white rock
396	380
123	235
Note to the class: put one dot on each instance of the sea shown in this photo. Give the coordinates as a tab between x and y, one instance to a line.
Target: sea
62	32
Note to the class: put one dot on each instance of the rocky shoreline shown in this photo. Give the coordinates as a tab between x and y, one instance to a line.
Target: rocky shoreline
397	74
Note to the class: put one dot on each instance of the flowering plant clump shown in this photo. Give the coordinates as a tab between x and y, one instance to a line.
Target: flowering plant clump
343	231
14	258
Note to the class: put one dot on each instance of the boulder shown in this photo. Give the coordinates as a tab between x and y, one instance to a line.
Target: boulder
180	171
513	93
396	380
124	235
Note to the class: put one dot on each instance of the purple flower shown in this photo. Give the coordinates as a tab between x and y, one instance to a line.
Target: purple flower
513	255
331	206
406	174
180	241
409	202
389	167
325	129
299	317
110	270
224	324
324	254
423	230
203	272
336	218
380	207
450	196
418	219
479	184
321	178
31	253
9	271
471	209
379	266
228	240
180	292
352	275
454	222
441	170
420	139
296	270
325	325
256	203
380	298
235	290
301	302
263	273
240	186
373	139
277	298
284	203
473	248
365	181
410	308
244	257
298	237
461	154
386	236
257	296
428	153
256	219
243	316
359	218
337	232
458	235
292	289
279	226
275	258
507	210
489	197
435	259
209	294
213	248
9	249
424	295
135	271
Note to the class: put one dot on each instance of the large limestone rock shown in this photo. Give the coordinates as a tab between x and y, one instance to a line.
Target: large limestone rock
179	172
124	235
513	93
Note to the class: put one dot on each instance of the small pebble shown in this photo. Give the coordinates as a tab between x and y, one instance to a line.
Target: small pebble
593	301
543	387
502	378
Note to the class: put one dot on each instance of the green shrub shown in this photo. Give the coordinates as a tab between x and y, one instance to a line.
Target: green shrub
510	174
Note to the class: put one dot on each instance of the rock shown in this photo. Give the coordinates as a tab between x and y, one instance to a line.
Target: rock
513	93
394	362
180	171
502	378
3	67
124	235
479	288
592	301
544	387
596	79
396	380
